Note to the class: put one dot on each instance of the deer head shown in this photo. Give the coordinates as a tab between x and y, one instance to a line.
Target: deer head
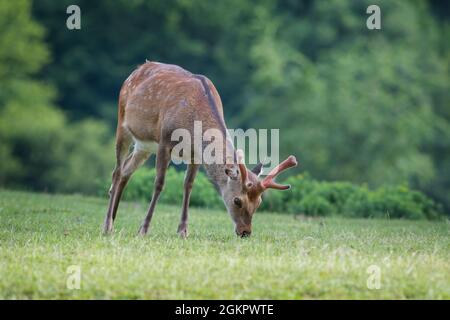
242	196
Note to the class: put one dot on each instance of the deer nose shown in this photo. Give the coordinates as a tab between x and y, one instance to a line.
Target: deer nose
245	234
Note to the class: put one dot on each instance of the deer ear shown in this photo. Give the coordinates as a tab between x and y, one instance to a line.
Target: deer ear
240	156
257	169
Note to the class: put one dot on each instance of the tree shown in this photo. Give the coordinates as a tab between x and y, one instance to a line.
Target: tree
39	148
91	64
355	104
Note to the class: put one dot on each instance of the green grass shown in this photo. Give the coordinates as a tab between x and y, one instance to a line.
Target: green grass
286	258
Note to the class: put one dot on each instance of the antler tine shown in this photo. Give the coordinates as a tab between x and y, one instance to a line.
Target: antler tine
268	181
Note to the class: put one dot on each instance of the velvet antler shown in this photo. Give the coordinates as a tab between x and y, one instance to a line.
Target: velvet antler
269	183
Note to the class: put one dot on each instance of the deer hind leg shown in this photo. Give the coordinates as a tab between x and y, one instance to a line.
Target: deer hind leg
123	143
126	165
162	162
188	183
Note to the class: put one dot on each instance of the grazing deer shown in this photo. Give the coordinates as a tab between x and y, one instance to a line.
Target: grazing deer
157	99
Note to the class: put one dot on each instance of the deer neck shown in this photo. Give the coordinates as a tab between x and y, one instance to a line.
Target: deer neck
214	120
216	171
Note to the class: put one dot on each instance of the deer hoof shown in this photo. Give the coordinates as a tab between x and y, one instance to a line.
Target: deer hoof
142	231
182	232
107	229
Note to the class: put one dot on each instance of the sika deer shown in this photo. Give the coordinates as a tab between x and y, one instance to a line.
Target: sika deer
155	100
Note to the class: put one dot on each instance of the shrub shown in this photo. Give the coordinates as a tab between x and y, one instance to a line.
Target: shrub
313	205
41	150
312	197
204	193
140	186
393	202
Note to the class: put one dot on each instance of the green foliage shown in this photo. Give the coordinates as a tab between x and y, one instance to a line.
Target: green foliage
319	198
39	148
393	202
312	205
359	105
22	54
30	144
88	156
116	36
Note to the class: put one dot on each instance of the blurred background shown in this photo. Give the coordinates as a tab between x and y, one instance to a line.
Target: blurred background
370	107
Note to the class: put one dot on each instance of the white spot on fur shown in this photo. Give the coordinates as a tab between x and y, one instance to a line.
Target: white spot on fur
148	146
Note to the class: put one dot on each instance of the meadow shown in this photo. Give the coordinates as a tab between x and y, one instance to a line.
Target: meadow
287	257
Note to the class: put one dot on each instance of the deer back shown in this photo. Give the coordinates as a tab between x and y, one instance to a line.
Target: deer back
158	98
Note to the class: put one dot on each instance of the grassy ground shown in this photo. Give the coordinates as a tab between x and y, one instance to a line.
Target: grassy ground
286	258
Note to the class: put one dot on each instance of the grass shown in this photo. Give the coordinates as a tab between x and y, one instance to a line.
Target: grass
42	235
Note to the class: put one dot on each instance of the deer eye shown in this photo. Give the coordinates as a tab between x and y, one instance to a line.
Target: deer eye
230	174
237	202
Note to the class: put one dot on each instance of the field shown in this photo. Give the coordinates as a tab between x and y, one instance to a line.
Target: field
287	257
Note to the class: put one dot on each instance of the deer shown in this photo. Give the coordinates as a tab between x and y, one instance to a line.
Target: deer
155	100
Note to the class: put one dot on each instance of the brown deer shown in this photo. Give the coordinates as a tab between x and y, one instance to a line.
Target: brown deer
157	99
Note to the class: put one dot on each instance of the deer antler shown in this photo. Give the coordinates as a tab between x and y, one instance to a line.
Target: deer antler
268	181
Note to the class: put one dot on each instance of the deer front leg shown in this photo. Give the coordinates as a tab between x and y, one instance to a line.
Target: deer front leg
188	183
162	162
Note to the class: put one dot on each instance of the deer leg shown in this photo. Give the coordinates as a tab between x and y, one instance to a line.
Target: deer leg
123	143
162	162
188	183
121	177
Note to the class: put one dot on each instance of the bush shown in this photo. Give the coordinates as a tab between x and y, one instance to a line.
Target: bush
392	202
42	151
313	205
307	196
311	197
